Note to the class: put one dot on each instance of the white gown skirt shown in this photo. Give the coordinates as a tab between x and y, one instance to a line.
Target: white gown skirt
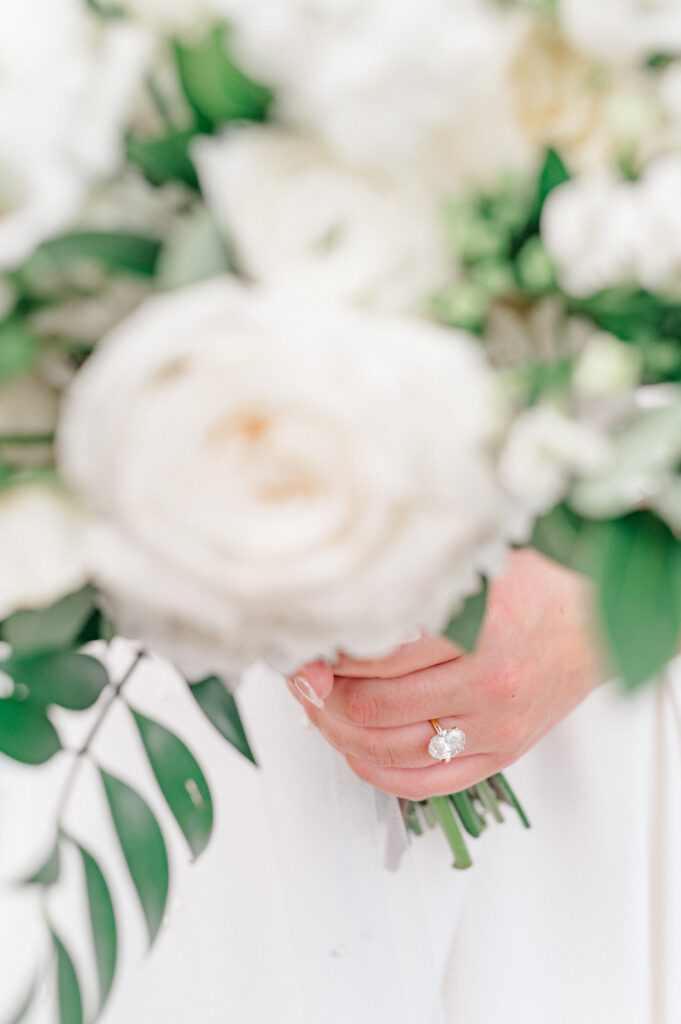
292	914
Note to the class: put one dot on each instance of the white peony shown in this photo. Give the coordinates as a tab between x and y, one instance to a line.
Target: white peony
294	216
622	31
282	479
42	547
387	84
67	81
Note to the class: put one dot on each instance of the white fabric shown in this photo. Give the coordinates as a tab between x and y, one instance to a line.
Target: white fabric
291	915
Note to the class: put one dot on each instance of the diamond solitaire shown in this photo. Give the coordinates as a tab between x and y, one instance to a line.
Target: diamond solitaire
446	744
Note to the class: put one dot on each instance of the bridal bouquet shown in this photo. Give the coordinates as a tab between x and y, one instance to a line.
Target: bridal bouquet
308	313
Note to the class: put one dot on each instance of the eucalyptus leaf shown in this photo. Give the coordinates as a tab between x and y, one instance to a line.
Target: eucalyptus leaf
48	872
638	595
50	628
464	628
218	704
67	678
18	348
70	1001
194	251
556	534
165	158
103	923
181	781
217	90
26	733
122	252
143	847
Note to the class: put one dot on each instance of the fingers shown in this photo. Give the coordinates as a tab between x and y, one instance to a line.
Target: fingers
421	652
314	682
421	783
387	703
405	747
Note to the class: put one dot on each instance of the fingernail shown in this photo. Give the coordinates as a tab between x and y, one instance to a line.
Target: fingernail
305	690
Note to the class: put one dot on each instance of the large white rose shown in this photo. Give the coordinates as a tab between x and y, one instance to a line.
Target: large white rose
42	547
295	216
619	31
172	16
67	80
384	83
282	479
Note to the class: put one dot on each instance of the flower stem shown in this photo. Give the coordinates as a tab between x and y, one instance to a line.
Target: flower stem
84	748
443	810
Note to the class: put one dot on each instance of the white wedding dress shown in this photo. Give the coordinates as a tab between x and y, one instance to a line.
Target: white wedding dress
308	907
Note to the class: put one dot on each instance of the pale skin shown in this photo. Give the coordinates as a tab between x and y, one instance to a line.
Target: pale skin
536	659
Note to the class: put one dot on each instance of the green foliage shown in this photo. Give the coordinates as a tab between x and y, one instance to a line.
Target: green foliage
103	924
165	158
216	89
464	628
218	704
639	594
114	252
181	780
26	733
143	847
66	678
55	628
18	348
194	251
70	1001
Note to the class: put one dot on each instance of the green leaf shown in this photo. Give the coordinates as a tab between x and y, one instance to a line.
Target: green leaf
53	628
143	847
18	348
556	535
638	594
164	159
215	87
67	678
218	704
122	252
553	173
26	733
24	1005
181	780
465	627
194	251
48	872
70	1002
103	922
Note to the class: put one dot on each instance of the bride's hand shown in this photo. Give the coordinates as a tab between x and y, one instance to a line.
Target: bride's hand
535	660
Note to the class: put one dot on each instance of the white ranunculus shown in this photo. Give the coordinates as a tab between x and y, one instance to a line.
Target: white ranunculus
545	449
42	547
384	83
589	227
622	31
282	479
296	217
603	232
67	81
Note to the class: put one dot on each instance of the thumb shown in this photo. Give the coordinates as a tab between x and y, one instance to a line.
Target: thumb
314	682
